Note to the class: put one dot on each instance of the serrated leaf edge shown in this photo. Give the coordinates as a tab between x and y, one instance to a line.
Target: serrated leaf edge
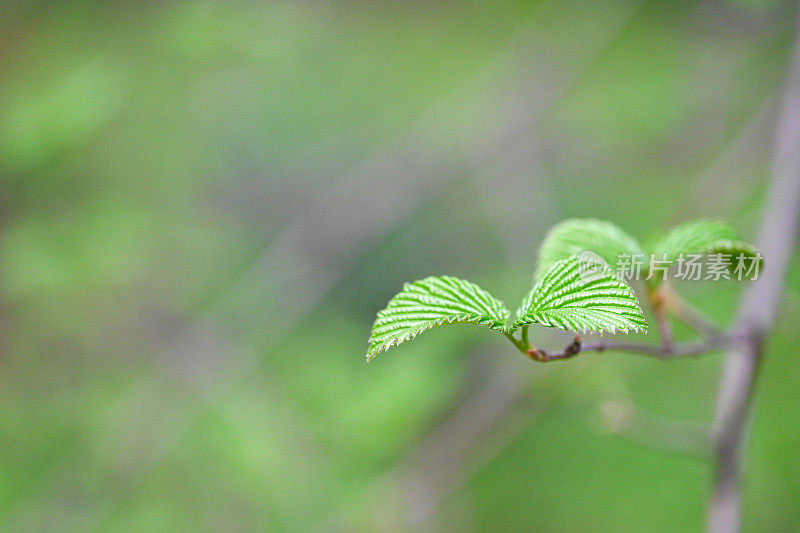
622	289
465	318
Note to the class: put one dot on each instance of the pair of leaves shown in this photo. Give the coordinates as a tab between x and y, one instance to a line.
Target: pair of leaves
573	294
702	237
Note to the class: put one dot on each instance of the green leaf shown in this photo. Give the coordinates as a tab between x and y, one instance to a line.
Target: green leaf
706	237
582	293
696	237
577	235
431	302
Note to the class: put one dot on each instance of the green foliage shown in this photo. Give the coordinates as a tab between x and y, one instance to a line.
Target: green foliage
580	294
704	237
576	235
698	236
105	264
431	302
576	289
576	293
701	237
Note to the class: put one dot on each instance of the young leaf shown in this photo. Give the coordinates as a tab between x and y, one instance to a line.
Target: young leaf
582	294
694	237
577	235
705	237
430	302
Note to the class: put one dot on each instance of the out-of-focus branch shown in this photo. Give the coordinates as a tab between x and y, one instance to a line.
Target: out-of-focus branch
687	313
756	315
621	418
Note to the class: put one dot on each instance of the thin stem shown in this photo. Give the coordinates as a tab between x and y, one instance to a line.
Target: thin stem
516	342
658	302
661	351
525	341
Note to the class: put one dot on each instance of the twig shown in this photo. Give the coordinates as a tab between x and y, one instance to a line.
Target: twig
662	299
658	301
662	351
756	315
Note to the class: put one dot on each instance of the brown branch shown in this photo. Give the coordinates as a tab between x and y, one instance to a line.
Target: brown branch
662	351
756	315
663	300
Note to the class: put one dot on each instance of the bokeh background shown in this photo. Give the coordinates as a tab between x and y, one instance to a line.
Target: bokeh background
203	205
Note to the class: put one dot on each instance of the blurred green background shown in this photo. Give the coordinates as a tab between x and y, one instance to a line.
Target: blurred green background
203	205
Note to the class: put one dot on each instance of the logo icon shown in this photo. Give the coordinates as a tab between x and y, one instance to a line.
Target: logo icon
591	266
